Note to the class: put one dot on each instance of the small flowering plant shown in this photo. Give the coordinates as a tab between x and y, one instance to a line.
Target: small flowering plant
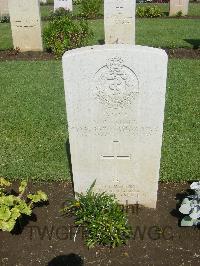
102	218
191	206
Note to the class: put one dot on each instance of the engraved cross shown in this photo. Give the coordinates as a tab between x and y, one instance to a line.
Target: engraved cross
115	157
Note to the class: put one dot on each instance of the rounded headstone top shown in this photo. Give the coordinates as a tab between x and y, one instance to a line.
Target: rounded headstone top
135	48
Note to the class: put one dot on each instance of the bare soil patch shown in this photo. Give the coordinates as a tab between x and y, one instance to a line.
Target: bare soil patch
48	238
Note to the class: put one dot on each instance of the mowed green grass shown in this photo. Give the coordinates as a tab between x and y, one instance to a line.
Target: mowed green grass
170	33
181	139
5	36
165	33
33	121
194	9
46	10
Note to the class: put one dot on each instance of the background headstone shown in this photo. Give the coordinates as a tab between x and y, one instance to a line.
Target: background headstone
43	1
66	4
115	98
25	24
3	8
177	6
119	21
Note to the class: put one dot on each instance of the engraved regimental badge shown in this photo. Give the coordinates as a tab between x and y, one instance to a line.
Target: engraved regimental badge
116	85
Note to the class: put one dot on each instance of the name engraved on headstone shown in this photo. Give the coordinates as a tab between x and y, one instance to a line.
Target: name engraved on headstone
105	130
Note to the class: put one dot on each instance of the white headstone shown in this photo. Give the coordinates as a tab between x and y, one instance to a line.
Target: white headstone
119	21
25	24
115	99
178	6
66	4
3	8
43	1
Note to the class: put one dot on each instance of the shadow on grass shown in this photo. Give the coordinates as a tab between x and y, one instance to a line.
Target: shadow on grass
194	42
101	42
165	14
67	260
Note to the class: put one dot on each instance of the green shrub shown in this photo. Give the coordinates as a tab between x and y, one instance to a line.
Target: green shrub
90	9
148	12
76	2
4	19
13	207
140	12
179	14
102	218
64	33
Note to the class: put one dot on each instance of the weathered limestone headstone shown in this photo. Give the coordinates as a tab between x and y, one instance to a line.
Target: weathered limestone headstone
25	24
115	98
177	6
3	8
119	21
66	4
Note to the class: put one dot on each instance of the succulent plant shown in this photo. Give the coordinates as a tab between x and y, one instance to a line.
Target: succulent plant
191	206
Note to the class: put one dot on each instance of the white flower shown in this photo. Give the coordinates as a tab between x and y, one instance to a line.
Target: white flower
195	185
185	208
195	214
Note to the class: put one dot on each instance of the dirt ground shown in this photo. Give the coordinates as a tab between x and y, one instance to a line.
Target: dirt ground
48	238
35	56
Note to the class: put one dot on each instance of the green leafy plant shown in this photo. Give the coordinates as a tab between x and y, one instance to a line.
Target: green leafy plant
13	207
191	206
90	9
179	14
102	218
63	33
4	19
148	11
76	2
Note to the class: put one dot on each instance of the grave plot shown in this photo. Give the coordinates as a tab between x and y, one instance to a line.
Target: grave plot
130	127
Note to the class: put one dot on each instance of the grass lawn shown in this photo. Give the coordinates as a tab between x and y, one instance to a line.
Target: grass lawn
194	9
170	33
5	36
45	10
173	33
33	121
166	33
